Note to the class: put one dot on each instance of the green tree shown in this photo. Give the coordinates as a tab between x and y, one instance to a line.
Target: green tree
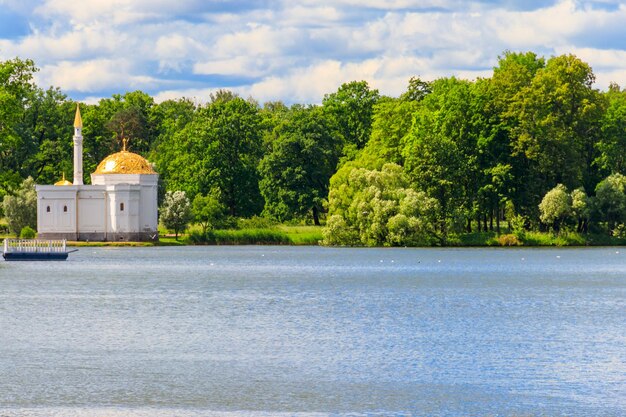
555	207
558	118
612	144
581	209
48	125
351	108
392	122
173	116
503	176
219	149
175	213
371	207
416	90
439	152
17	91
103	125
295	173
611	201
207	211
20	209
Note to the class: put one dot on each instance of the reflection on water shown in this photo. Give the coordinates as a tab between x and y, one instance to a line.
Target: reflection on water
268	331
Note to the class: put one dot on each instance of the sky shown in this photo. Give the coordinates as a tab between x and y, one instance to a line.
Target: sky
296	51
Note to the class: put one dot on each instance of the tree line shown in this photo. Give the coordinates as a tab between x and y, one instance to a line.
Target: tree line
447	156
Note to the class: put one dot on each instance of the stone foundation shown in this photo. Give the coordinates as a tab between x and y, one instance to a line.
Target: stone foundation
57	236
101	237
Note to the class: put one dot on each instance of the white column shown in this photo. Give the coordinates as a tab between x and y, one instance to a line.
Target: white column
78	148
78	156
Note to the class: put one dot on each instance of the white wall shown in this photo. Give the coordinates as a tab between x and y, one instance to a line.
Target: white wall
56	209
97	208
91	211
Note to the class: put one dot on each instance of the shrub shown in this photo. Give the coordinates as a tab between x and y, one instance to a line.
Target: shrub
197	237
27	232
337	232
508	240
239	237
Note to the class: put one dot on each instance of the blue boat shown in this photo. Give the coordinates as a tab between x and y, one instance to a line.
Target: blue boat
35	250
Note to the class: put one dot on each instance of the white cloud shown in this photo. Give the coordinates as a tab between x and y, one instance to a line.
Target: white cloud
310	84
81	43
300	50
94	75
172	50
239	66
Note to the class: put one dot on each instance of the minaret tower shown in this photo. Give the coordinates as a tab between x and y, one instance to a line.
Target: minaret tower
78	148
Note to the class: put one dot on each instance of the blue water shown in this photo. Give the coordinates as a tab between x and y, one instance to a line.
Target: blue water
308	331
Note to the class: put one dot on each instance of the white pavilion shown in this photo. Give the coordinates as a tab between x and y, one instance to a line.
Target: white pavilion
119	205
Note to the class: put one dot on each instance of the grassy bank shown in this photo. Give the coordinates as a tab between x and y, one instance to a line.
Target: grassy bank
536	239
312	235
276	235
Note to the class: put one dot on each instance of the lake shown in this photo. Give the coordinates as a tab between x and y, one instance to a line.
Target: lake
309	331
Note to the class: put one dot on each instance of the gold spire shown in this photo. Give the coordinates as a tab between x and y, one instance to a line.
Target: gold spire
63	181
78	121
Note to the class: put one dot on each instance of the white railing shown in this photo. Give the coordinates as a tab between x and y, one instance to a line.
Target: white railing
34	246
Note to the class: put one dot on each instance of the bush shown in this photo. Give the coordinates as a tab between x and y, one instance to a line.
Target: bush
620	231
196	237
239	237
337	232
508	240
27	232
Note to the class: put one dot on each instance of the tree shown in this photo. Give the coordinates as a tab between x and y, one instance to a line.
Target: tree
503	176
439	152
581	209
48	125
207	211
296	171
391	123
558	118
20	209
17	91
555	207
176	211
371	207
103	125
172	116
129	123
351	108
611	200
220	150
612	144
416	90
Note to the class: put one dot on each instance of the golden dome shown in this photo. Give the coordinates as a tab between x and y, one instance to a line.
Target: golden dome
63	181
124	162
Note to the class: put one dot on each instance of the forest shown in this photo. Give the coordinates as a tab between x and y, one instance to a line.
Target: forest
535	147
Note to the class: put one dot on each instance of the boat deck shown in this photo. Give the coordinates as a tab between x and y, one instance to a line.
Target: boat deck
34	250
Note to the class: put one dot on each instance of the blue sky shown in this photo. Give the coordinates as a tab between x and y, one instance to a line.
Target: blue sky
296	51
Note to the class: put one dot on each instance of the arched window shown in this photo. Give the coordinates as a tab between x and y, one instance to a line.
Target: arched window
121	206
47	209
64	209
